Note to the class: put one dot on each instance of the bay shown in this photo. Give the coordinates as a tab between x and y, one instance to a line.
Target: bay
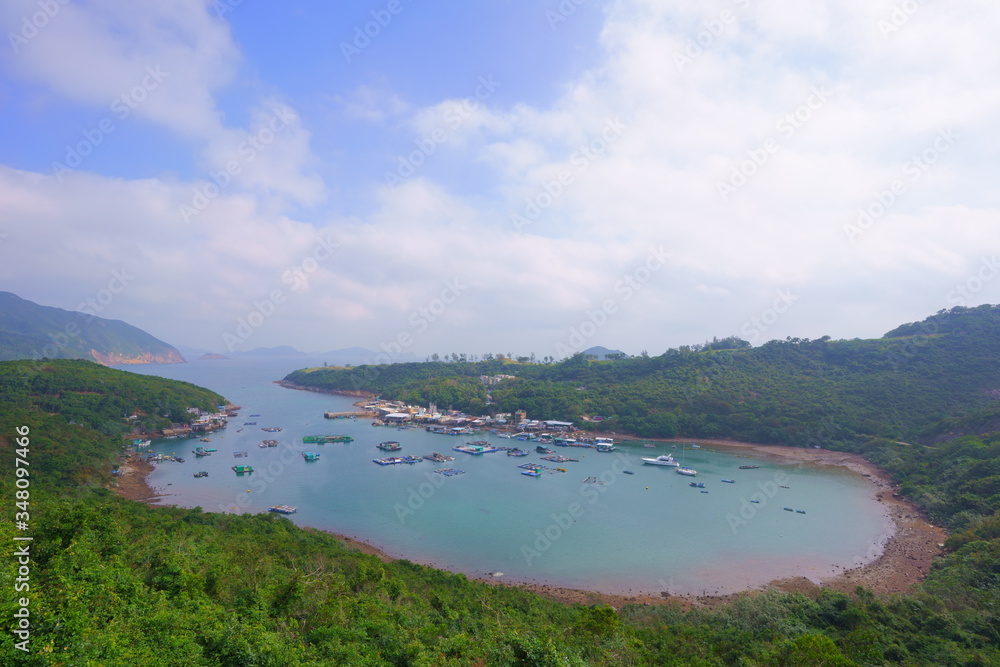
643	532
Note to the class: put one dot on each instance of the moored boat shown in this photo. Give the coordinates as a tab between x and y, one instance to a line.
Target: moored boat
690	472
664	460
283	509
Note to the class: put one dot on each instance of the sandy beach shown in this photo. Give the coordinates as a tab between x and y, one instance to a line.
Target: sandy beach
904	561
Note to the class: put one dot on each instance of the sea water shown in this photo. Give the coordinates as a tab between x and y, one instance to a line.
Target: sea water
593	527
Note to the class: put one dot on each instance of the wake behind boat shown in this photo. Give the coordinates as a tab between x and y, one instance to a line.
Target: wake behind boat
664	460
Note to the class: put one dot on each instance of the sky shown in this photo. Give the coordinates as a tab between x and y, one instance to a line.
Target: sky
504	176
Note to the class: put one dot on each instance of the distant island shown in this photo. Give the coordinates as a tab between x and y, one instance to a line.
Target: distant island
32	331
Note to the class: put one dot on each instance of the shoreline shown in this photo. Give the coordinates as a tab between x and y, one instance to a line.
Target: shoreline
896	565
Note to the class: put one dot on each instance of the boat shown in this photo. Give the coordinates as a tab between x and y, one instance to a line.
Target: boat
310	456
283	509
800	511
749	467
389	446
697	485
755	501
240	470
788	509
703	491
205	440
690	472
664	460
211	449
650	445
201	473
517	452
604	448
531	473
178	459
628	472
729	481
542	449
783	486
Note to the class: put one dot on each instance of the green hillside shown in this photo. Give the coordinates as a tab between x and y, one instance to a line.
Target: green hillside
114	582
31	331
837	394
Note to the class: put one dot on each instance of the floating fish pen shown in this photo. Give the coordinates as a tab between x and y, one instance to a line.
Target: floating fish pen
539	468
389	446
242	470
283	509
476	450
531	473
517	452
439	458
321	439
395	460
558	458
449	472
240	455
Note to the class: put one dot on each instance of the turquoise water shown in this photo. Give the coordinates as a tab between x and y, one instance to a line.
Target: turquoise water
645	532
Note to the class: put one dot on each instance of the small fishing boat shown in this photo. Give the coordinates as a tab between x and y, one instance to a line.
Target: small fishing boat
800	511
542	449
697	485
788	509
690	472
729	481
628	472
283	509
748	467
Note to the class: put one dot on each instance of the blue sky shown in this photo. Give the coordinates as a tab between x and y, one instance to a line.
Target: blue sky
501	175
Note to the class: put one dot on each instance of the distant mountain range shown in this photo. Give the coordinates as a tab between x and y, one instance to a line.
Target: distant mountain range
31	331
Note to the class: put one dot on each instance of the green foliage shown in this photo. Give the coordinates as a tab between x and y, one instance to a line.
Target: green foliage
115	582
833	394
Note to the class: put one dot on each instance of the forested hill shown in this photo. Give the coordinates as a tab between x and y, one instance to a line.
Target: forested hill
832	393
81	410
32	331
114	582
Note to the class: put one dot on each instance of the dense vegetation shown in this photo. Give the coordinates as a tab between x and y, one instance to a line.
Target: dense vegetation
835	394
115	582
31	331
